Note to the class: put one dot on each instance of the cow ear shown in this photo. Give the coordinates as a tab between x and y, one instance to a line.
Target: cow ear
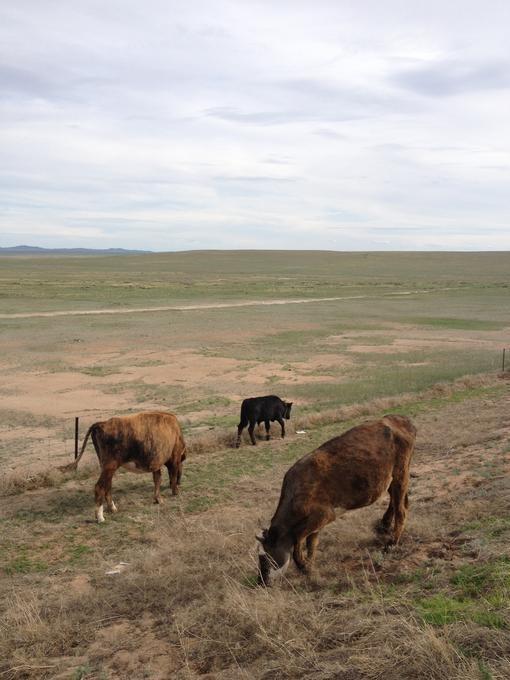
289	403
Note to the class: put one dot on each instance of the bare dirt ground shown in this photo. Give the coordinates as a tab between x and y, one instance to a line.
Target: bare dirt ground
111	378
184	606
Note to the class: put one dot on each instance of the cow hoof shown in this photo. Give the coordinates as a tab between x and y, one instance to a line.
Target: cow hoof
157	501
390	546
268	438
380	528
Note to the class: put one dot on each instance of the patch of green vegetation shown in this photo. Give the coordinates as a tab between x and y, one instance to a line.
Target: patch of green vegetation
485	673
440	610
200	504
166	395
143	363
387	379
77	552
53	366
99	371
272	380
23	564
13	418
212	401
491	526
480	595
491	579
82	672
459	324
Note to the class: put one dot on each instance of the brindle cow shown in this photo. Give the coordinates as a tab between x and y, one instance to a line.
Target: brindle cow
347	472
142	442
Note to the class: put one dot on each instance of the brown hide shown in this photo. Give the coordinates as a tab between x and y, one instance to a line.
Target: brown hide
142	442
348	472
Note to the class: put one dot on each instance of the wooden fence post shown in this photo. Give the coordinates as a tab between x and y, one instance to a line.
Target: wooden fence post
503	360
76	437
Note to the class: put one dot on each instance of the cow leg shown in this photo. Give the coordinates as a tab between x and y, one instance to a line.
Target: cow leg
299	555
312	542
400	502
103	489
174	476
282	425
304	564
268	425
109	500
309	533
175	481
384	524
250	432
156	476
240	429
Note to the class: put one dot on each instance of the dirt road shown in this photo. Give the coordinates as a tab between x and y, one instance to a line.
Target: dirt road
215	305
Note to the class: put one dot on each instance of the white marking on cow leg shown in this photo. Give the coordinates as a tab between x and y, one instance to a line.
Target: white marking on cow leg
99	514
113	507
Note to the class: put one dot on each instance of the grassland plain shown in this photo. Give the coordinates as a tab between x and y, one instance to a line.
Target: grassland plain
186	605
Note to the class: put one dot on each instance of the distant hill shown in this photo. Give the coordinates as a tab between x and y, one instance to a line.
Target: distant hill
35	250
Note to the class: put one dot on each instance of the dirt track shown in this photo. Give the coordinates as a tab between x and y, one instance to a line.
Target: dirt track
216	305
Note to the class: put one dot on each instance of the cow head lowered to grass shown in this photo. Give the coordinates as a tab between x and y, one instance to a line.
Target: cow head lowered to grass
348	472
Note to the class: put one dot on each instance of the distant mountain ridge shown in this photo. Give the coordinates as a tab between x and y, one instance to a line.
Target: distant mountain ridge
36	250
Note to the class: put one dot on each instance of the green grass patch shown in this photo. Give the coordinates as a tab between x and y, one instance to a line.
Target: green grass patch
440	610
78	552
494	527
24	564
99	371
480	594
491	579
459	324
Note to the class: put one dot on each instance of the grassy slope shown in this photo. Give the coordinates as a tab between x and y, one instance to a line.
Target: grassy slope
435	608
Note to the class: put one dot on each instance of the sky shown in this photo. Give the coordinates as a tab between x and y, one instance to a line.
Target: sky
325	124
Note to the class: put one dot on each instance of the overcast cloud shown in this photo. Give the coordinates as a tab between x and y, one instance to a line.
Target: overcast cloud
172	125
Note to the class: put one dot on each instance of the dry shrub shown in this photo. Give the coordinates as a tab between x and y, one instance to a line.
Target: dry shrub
23	479
210	441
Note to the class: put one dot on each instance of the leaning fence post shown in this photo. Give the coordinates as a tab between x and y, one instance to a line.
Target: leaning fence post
503	370
76	437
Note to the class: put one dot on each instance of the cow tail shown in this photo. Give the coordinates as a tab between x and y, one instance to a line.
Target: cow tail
183	447
73	466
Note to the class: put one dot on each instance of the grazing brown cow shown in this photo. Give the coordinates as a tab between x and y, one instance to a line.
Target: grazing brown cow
347	472
142	442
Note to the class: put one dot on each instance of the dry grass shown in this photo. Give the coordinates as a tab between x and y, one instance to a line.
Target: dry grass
187	606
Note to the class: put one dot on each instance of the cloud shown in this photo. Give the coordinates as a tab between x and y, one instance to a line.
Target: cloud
453	77
337	125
